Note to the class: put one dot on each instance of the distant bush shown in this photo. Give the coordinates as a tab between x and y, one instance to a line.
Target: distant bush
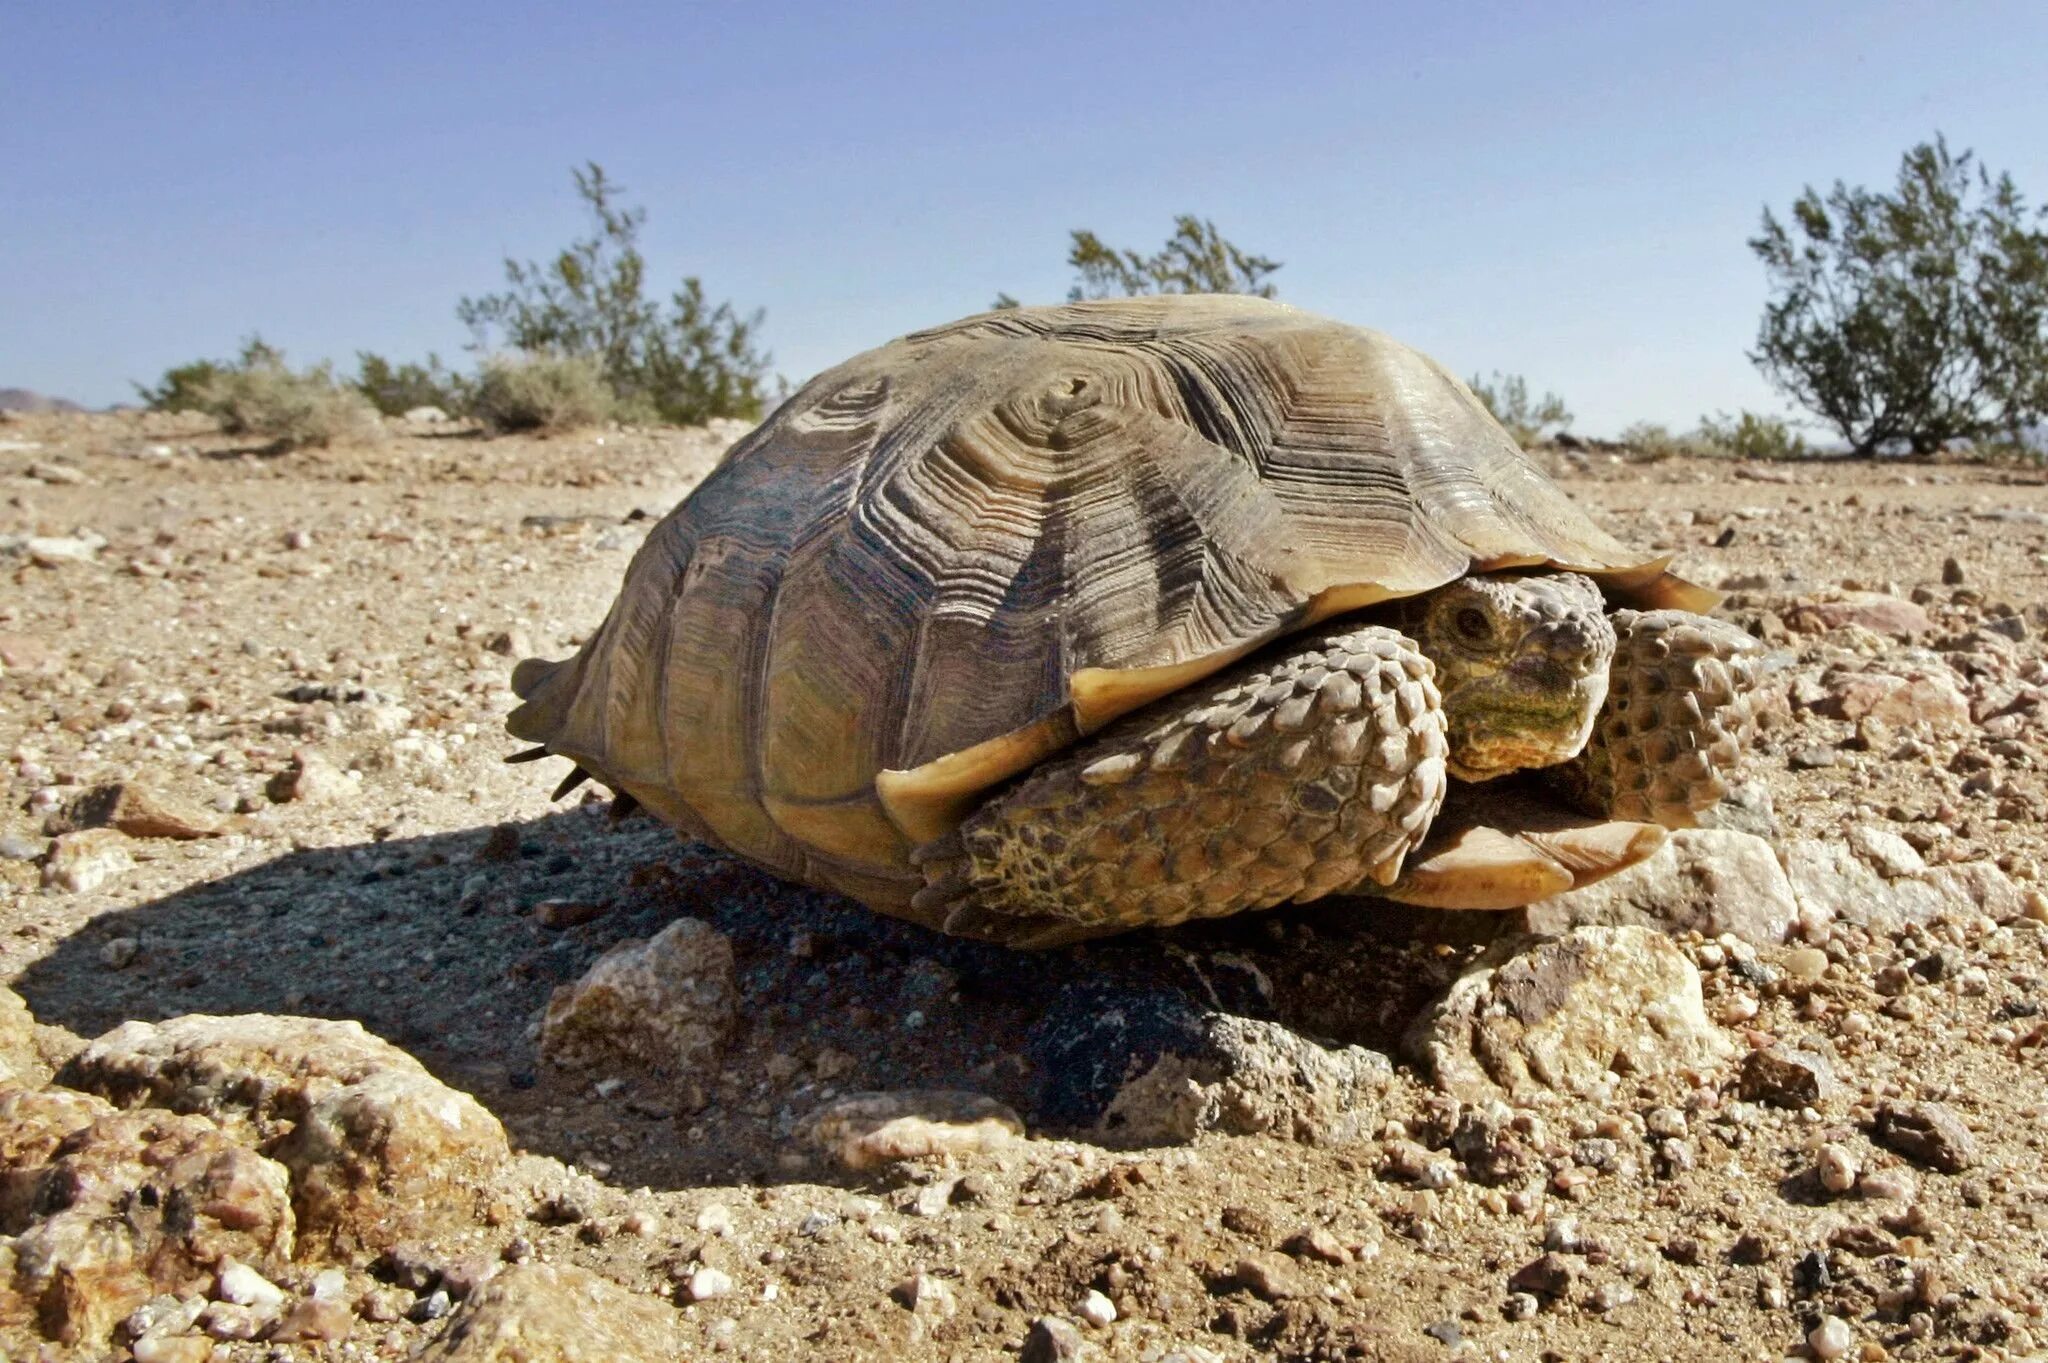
1195	259
180	388
1913	319
685	364
1527	420
1749	435
184	388
268	400
395	390
1652	441
541	393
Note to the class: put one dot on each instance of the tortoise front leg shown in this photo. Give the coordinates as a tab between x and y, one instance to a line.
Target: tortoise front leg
1680	713
1285	778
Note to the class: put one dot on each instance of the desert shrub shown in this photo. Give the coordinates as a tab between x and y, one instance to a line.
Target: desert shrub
1195	259
290	409
1651	441
541	393
1527	420
685	363
184	387
1751	435
181	387
395	390
1914	318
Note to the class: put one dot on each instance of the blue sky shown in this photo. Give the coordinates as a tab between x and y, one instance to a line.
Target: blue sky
1561	190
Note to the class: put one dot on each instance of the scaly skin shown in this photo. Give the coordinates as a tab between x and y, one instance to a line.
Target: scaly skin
1312	769
1680	713
1285	778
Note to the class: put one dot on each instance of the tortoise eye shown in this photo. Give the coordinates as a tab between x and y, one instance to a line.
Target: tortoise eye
1473	625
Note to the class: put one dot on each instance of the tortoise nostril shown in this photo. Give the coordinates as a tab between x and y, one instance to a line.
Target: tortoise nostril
1568	644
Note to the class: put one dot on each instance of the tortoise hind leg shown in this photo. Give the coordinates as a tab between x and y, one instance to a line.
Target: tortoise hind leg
1680	712
1288	777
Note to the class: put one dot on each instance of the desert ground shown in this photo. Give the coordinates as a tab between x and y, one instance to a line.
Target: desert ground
1782	1091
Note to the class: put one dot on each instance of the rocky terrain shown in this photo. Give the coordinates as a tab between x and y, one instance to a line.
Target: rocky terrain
332	1037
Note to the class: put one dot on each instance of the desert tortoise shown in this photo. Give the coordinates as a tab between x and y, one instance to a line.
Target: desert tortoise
1060	621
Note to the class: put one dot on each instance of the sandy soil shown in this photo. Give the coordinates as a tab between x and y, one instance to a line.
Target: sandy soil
366	604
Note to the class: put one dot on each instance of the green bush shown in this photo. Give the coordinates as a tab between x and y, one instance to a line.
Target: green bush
1912	319
1527	420
181	388
292	410
1195	259
684	364
541	393
395	390
1750	435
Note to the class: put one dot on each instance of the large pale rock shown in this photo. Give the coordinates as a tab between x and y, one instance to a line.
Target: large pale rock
667	1003
143	1203
1874	877
556	1313
1899	694
33	1123
20	1061
1874	611
1707	880
1548	1017
871	1130
378	1149
138	809
81	862
1248	1077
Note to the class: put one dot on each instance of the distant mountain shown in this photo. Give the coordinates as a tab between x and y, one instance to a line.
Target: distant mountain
22	400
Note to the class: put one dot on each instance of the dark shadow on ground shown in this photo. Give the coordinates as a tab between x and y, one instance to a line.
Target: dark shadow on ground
434	944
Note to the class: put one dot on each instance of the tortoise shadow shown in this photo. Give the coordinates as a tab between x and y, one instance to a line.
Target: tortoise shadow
434	944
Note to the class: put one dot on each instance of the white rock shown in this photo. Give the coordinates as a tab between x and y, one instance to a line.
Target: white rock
244	1286
1830	1338
707	1283
1097	1310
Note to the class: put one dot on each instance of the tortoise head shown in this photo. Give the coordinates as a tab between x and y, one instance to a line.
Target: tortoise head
1521	661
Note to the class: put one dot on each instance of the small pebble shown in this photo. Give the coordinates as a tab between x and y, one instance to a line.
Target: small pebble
708	1283
1836	1167
244	1286
1830	1338
1806	964
1611	1296
1051	1340
1665	1121
1097	1310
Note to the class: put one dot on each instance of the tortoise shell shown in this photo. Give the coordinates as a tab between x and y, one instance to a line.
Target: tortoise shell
952	556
